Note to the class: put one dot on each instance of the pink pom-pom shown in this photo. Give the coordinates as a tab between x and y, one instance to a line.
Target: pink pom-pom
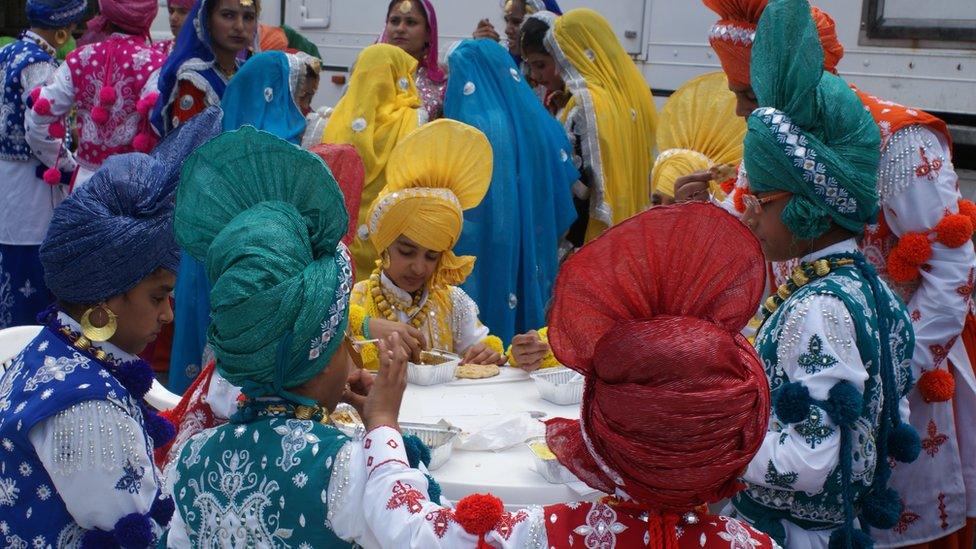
143	142
52	176
99	115
56	130
34	94
146	104
107	96
42	106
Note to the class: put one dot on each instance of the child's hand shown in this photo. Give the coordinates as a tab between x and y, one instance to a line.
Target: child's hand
480	353
528	350
383	403
410	338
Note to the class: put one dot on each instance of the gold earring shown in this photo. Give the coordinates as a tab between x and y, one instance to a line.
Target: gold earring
99	323
61	37
385	260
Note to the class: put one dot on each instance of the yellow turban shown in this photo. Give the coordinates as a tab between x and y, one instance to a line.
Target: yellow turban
433	175
698	129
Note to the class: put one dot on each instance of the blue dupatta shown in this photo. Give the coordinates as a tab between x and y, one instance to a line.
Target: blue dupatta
515	232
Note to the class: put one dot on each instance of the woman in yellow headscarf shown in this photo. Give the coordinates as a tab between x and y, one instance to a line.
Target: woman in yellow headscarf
698	131
611	115
379	109
432	176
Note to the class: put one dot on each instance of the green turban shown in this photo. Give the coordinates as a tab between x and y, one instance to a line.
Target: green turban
811	135
266	218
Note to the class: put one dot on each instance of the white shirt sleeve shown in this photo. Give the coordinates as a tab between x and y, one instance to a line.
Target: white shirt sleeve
468	329
97	457
46	148
915	196
818	348
396	508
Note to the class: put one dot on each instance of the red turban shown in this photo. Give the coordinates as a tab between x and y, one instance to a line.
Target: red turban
676	402
130	16
732	36
347	168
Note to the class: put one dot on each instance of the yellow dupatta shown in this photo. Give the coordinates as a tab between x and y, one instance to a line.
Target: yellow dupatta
698	129
379	109
612	104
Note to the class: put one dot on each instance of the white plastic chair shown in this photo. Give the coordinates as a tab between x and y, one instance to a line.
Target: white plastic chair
13	340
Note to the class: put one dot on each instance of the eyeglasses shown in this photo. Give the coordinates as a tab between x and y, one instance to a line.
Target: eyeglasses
755	203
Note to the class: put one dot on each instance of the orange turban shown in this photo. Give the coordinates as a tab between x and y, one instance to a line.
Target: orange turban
732	36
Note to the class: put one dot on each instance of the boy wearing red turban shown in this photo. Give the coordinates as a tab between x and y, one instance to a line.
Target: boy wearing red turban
629	314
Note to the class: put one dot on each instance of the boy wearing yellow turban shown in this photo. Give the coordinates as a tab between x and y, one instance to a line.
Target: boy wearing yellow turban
414	223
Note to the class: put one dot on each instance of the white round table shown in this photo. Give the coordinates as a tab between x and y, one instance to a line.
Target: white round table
507	474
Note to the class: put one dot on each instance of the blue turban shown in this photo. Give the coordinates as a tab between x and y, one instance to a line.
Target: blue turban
811	135
118	228
55	14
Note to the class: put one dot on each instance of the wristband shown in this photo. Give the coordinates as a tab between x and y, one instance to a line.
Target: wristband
365	327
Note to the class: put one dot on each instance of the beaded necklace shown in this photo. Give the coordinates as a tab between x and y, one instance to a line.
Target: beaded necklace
135	375
31	37
389	311
801	276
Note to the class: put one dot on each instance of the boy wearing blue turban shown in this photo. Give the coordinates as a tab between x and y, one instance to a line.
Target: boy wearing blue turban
837	343
77	437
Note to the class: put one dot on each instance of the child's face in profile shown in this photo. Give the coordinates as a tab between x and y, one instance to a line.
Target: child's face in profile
411	265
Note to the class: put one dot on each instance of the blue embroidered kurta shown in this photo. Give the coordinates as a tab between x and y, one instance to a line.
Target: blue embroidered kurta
73	453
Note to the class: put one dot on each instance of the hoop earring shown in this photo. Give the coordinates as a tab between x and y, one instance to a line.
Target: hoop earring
61	36
99	323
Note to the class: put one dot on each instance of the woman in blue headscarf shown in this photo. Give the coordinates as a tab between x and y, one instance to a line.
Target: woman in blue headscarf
203	61
516	230
264	94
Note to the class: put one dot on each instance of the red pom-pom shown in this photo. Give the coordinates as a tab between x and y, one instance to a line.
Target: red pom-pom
34	94
42	106
99	115
954	230
52	176
107	96
915	248
479	513
899	268
146	104
728	185
143	142
56	130
936	385
740	206
968	209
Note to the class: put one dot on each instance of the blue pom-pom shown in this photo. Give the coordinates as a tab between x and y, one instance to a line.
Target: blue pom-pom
433	490
849	538
844	404
98	539
417	451
134	530
137	378
792	403
882	509
162	510
159	428
903	443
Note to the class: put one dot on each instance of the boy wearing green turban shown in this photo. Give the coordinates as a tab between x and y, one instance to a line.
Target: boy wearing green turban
836	341
266	219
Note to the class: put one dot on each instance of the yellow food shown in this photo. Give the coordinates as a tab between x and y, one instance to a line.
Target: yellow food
542	450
